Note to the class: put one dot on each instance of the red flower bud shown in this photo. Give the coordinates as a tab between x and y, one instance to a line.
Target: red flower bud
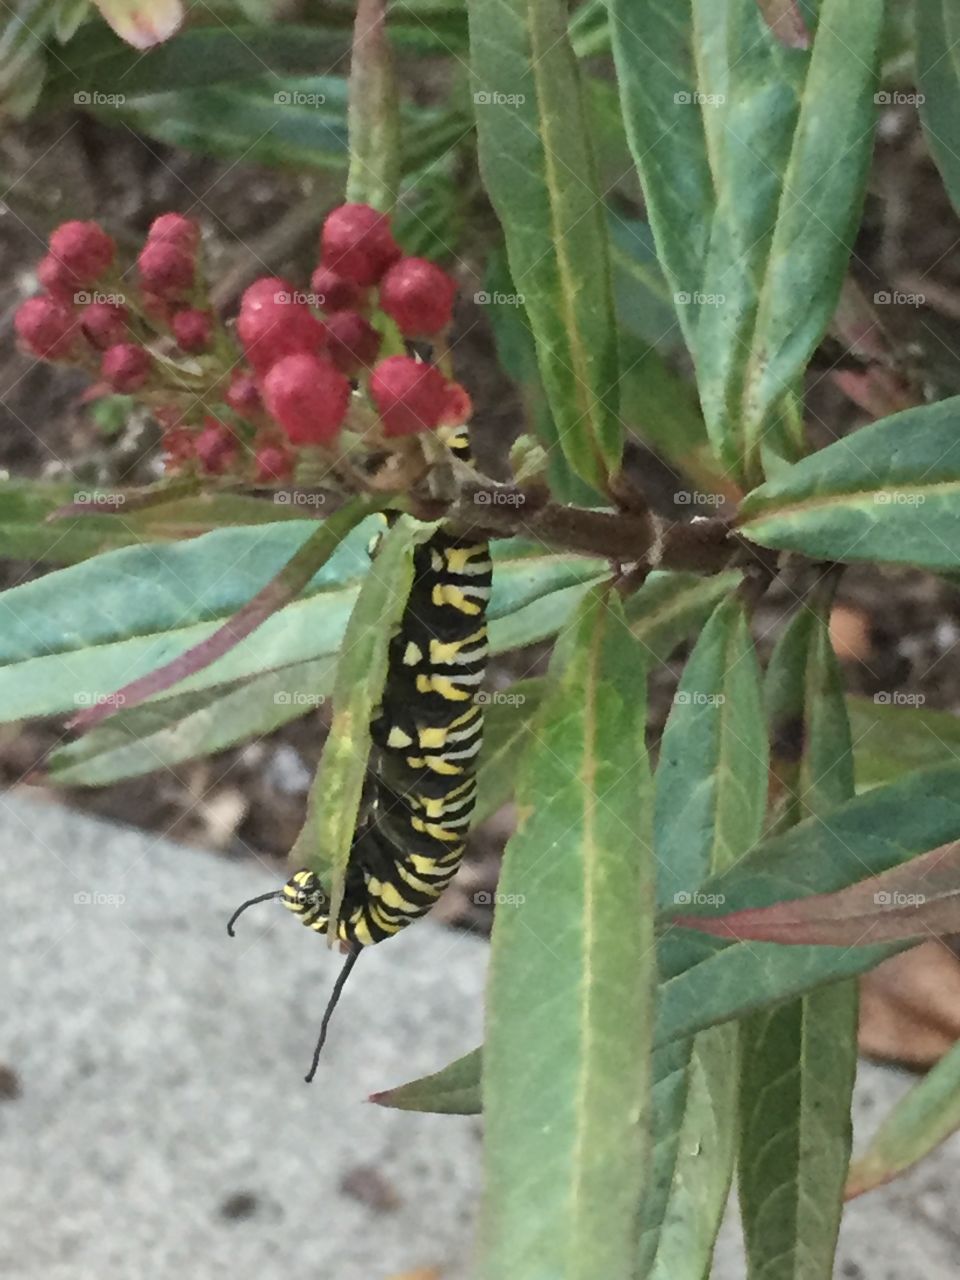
166	269
459	406
272	463
334	292
308	397
57	279
352	342
273	324
84	248
176	229
125	367
46	328
418	296
177	442
192	329
105	323
410	396
357	243
244	394
215	447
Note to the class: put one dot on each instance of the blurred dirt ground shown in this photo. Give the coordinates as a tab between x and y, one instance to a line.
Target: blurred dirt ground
897	629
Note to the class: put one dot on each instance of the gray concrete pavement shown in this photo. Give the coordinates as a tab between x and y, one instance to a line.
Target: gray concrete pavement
153	1117
163	1127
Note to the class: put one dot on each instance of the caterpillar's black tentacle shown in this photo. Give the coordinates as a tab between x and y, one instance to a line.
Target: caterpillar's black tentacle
335	994
427	736
263	897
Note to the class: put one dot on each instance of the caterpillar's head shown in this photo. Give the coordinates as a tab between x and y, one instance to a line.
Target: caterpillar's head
305	896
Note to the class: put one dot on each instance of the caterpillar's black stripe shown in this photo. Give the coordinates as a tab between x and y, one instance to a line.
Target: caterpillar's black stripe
427	737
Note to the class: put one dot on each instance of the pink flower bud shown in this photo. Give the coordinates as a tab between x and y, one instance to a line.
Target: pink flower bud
105	323
125	367
352	342
272	463
334	292
215	447
357	243
418	296
84	248
244	394
307	397
47	328
410	396
166	269
176	229
192	329
273	324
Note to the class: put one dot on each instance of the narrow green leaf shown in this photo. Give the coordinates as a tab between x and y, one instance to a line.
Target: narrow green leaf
453	1091
135	608
538	169
188	726
507	730
566	1125
938	80
799	1059
654	53
753	158
893	737
695	1112
711	785
283	588
199	57
302	125
887	492
790	140
864	837
927	1115
669	606
712	775
374	118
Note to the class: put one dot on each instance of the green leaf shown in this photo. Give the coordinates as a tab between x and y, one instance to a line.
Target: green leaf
938	80
753	159
711	786
198	58
187	726
790	143
303	124
799	1059
864	837
694	1113
891	739
538	169
566	1124
887	492
133	609
712	776
653	51
926	1116
285	587
507	730
326	839
453	1091
669	606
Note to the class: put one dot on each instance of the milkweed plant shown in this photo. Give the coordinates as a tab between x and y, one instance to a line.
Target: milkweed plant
653	209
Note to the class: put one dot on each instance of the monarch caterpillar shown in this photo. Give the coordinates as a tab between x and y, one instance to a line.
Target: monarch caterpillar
427	735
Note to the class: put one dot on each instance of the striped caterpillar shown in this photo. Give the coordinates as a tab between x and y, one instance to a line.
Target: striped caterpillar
426	738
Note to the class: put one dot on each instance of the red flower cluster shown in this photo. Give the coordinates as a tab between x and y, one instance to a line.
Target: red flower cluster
307	356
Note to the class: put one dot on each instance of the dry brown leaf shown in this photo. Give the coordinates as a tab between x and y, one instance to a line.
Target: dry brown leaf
910	1006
